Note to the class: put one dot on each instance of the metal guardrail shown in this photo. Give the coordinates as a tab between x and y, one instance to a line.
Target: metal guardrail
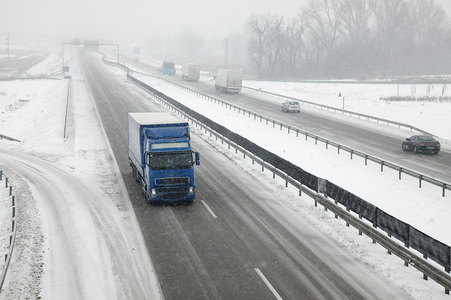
390	242
50	76
8	138
387	242
343	111
382	162
12	238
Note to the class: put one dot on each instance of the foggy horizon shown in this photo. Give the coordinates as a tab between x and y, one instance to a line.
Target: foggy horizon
134	20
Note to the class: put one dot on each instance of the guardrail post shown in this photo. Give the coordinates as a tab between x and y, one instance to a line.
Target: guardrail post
420	179
352	152
366	159
382	166
443	190
400	172
327	144
425	277
338	149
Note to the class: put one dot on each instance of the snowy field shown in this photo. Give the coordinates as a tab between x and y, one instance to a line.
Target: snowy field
38	123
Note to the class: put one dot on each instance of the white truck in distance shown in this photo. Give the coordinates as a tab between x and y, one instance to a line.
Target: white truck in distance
191	72
228	81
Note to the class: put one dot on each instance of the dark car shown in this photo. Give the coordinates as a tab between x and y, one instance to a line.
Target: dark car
421	143
291	105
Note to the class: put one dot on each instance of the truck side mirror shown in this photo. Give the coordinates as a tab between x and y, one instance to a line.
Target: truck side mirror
197	158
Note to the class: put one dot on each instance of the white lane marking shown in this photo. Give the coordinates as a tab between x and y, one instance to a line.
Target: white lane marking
208	208
273	290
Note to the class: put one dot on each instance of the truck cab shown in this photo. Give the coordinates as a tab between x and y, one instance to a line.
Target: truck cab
161	157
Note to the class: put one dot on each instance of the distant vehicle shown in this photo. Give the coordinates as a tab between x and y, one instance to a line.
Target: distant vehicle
421	143
291	105
229	81
159	152
191	72
168	68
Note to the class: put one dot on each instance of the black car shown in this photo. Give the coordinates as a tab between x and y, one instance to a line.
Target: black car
421	143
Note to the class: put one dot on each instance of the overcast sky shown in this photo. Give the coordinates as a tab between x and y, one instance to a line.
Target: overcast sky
137	20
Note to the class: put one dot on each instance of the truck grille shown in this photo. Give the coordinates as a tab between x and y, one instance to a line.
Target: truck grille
172	181
168	193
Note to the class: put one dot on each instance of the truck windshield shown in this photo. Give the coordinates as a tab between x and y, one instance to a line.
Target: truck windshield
172	160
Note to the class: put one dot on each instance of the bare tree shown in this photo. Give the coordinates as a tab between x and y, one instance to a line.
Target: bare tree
259	27
276	44
348	38
294	47
389	28
356	49
324	19
426	21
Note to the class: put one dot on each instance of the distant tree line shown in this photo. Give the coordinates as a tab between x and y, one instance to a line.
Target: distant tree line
352	39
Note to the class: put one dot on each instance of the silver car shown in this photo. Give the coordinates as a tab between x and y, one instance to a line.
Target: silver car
291	106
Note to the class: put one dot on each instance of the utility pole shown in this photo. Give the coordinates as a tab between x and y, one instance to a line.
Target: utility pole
226	55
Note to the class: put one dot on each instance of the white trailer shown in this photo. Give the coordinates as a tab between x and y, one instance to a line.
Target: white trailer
191	72
228	81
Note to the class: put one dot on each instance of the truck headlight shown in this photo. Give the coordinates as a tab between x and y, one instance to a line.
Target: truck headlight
191	190
153	193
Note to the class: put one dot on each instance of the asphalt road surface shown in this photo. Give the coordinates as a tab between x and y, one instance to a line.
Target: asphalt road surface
236	241
383	144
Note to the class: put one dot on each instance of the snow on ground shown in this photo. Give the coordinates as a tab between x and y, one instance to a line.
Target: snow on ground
39	123
51	65
46	142
401	198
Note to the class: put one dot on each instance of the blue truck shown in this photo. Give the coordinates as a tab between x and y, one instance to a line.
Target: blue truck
159	151
168	68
